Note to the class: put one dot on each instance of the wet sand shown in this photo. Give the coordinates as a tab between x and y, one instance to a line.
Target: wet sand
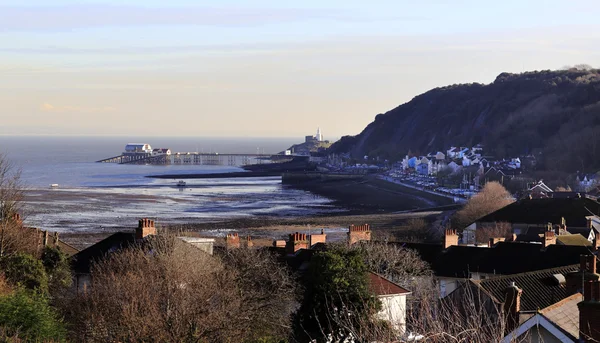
385	206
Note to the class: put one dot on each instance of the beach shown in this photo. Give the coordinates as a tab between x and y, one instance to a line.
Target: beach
387	207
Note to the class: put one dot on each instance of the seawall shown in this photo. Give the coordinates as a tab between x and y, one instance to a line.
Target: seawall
302	177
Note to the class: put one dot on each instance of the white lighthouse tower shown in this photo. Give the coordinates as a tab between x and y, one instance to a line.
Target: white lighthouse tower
319	135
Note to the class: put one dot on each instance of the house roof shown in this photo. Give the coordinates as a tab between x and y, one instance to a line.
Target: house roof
382	286
542	211
540	288
565	314
536	321
67	248
83	260
574	239
542	186
584	231
503	258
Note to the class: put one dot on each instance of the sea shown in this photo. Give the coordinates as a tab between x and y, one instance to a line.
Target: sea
94	196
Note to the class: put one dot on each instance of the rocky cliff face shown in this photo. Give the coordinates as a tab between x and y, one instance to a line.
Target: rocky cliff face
552	114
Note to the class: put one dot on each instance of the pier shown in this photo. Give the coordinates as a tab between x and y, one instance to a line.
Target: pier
190	158
143	154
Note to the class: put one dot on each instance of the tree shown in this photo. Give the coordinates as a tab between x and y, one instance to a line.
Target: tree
492	197
13	238
267	294
28	316
26	271
337	299
166	290
402	266
495	230
56	264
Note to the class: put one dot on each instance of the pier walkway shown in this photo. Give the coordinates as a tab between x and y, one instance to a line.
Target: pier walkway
190	158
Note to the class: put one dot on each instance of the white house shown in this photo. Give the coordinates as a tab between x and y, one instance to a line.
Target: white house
462	152
451	153
558	322
440	156
404	162
393	301
133	148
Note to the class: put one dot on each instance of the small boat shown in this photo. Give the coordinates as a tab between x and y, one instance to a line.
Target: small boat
181	183
54	185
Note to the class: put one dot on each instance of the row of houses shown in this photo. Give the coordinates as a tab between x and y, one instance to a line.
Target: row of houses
539	271
296	253
541	275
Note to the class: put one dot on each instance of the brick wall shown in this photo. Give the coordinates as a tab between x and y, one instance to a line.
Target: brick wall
357	233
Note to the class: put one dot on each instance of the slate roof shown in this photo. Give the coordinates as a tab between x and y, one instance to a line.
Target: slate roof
382	286
503	258
542	211
565	314
540	288
83	260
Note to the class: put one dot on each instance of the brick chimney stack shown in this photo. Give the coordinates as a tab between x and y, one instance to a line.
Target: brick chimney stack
357	233
317	238
587	272
512	306
589	313
249	242
549	238
590	223
145	228
450	238
17	219
232	241
495	240
296	242
596	242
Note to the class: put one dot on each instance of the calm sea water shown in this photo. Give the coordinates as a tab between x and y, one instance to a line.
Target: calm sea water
95	196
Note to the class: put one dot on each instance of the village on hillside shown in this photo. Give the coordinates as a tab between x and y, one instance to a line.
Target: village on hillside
461	172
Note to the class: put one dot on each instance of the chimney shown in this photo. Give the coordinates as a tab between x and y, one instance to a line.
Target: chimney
232	241
296	242
596	242
249	242
587	272
279	243
145	227
17	219
549	238
590	223
495	240
318	238
450	238
589	313
512	306
357	233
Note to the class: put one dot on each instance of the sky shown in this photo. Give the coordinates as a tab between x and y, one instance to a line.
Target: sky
263	68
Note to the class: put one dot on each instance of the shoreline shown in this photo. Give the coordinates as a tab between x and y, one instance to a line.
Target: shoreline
371	195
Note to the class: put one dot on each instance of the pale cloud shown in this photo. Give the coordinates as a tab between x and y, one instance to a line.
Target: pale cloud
93	16
46	107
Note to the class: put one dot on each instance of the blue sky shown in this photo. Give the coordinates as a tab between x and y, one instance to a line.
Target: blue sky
263	68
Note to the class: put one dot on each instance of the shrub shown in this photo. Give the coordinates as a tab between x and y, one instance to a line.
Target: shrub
28	316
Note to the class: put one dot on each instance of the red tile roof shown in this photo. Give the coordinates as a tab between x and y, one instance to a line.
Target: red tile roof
382	286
